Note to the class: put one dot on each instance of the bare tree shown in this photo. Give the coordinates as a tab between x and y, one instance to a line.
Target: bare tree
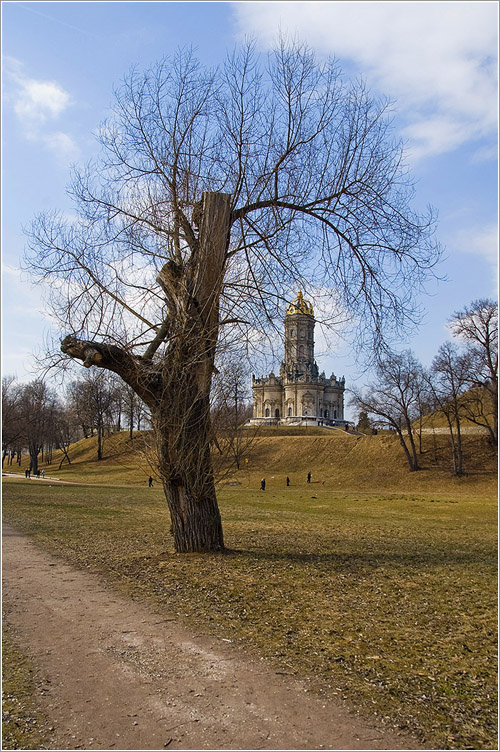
231	409
12	423
216	193
395	399
38	404
477	326
447	382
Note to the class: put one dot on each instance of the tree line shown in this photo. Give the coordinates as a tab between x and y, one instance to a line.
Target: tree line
461	383
38	420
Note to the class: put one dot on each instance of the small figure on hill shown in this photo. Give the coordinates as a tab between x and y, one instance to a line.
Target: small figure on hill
150	481
38	473
308	477
263	484
26	473
43	473
287	480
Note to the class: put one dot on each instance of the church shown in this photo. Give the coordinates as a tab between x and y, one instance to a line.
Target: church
300	393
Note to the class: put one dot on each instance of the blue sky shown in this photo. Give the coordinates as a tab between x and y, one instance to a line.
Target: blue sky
438	61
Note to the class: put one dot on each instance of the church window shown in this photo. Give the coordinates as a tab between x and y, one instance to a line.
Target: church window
289	411
292	333
267	412
327	413
334	413
277	413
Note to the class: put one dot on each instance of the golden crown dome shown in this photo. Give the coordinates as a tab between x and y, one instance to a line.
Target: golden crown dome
299	305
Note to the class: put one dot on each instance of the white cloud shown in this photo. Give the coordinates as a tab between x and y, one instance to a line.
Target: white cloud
38	104
63	146
38	101
483	242
438	59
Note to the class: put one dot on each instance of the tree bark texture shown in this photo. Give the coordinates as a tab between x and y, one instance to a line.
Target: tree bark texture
182	418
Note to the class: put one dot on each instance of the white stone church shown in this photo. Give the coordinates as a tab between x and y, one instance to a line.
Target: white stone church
300	394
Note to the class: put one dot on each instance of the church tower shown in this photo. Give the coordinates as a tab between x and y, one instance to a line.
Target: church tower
300	394
299	340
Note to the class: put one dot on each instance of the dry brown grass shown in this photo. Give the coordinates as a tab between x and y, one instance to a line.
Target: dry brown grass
339	459
385	599
376	583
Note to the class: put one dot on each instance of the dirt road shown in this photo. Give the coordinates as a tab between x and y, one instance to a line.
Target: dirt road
119	676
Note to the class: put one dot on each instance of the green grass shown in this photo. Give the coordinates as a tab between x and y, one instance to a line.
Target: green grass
387	600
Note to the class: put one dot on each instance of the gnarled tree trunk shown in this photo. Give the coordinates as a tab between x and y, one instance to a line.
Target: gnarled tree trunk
176	388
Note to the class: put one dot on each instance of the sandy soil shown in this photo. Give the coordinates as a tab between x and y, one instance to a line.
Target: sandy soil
116	675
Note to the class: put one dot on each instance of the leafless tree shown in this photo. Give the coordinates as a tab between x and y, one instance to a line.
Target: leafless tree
12	423
218	191
96	392
231	410
38	405
447	381
477	327
394	399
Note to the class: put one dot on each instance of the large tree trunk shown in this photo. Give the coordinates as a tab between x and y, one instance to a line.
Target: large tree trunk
183	442
182	420
177	387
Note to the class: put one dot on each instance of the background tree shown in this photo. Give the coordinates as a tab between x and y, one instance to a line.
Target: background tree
97	392
38	406
231	409
364	424
134	410
477	326
447	382
218	191
78	406
66	432
394	399
12	423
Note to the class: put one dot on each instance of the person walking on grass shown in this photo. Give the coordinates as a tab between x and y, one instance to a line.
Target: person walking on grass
308	477
263	484
287	481
150	482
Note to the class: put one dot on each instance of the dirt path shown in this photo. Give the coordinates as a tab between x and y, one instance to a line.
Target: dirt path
119	676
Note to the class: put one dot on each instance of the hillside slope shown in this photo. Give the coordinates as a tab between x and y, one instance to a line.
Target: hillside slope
336	460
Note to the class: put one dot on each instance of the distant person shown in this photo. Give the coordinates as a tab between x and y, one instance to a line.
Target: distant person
263	484
308	477
287	480
26	473
43	473
150	481
38	473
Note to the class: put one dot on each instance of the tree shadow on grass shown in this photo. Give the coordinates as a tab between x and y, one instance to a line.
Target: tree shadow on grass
364	560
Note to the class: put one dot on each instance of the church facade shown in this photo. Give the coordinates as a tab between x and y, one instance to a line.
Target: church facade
300	393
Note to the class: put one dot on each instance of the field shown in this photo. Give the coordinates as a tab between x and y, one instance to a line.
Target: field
384	596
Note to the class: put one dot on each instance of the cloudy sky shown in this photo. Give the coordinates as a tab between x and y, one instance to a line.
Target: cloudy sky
436	60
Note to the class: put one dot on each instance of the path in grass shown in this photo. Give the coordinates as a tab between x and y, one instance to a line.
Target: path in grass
117	675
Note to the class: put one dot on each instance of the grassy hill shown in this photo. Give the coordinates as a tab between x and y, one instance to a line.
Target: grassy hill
337	461
437	419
